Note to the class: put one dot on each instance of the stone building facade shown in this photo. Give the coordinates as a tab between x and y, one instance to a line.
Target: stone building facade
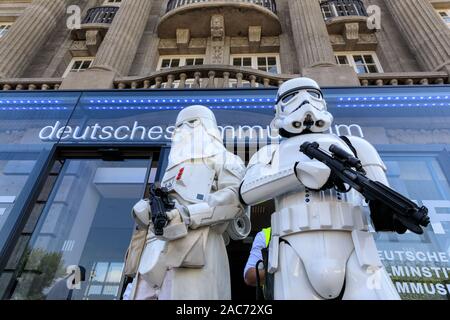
214	44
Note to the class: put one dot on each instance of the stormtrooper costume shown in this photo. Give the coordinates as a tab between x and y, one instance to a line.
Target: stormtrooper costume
189	262
320	246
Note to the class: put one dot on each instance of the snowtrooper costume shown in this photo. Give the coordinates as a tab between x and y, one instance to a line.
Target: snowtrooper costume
189	262
320	246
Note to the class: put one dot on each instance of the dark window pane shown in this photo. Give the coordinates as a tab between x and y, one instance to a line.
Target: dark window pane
198	62
372	69
86	64
175	63
358	59
189	62
237	62
342	60
262	61
247	62
369	59
77	65
165	63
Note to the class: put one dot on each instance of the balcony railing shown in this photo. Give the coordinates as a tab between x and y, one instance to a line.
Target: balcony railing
219	77
268	4
214	76
205	76
103	15
343	8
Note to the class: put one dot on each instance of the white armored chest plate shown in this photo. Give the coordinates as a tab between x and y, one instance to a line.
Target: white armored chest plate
191	180
289	151
307	210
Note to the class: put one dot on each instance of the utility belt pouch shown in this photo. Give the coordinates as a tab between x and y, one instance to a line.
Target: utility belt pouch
188	252
153	262
134	252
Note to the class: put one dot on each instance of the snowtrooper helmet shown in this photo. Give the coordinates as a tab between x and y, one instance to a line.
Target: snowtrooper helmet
196	136
301	108
194	116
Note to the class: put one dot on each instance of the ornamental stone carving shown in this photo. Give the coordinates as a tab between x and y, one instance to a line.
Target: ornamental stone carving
254	34
217	55
217	27
183	37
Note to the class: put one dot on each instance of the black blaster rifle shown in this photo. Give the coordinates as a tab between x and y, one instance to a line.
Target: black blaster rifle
160	204
348	169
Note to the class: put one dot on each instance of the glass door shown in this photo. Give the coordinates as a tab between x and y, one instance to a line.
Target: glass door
77	249
20	167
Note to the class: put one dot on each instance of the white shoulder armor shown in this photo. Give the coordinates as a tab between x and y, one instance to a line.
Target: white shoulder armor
367	153
370	159
264	155
234	165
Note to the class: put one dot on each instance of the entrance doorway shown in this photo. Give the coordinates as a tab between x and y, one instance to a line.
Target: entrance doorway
85	226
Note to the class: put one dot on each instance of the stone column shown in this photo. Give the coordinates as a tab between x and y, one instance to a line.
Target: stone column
311	38
314	50
120	45
27	35
426	34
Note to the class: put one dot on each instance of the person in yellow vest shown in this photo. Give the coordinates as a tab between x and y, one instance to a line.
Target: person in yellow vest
262	240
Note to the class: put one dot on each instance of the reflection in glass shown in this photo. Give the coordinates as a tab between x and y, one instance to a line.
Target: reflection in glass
13	177
15	171
86	223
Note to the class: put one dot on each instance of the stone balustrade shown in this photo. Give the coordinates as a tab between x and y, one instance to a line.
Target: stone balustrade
206	76
30	84
220	77
409	79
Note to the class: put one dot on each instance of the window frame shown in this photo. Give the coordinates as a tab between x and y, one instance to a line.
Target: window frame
72	63
351	60
446	18
116	3
182	59
4	28
254	59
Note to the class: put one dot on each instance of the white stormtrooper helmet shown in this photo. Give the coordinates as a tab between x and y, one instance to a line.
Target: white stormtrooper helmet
301	108
196	135
199	115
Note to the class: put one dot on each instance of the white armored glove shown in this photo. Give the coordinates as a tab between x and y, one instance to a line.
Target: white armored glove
176	229
313	174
